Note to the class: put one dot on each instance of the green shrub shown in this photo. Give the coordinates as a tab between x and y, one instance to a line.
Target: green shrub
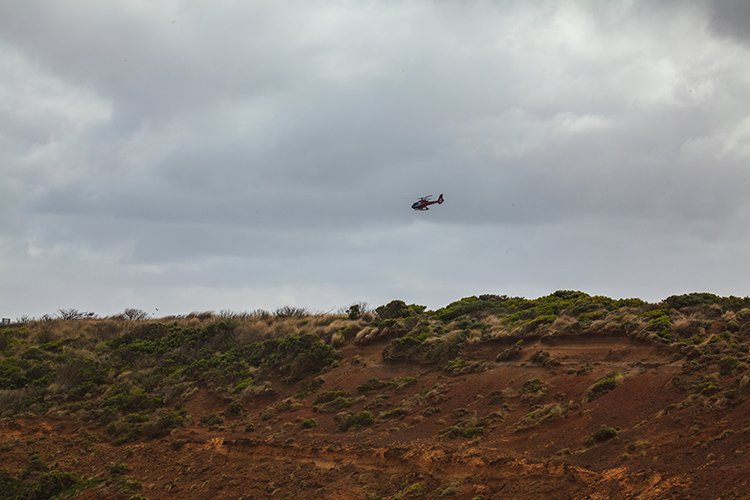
602	434
462	430
372	384
540	415
533	387
691	300
294	356
52	484
12	375
333	400
398	309
544	358
234	409
431	410
80	375
163	422
327	396
212	419
356	420
398	412
397	383
11	487
509	354
129	399
728	364
455	365
400	383
355	311
309	423
659	322
119	469
603	385
413	490
707	387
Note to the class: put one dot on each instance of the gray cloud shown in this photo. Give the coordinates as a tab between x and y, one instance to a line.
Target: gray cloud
258	153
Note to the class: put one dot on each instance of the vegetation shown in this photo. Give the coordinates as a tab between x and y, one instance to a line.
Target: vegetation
603	385
539	415
130	374
356	420
603	433
462	430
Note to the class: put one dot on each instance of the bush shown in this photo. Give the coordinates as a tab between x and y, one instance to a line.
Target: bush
328	396
398	309
602	434
509	354
53	483
707	387
416	490
119	469
294	356
234	409
309	423
462	430
372	384
398	412
545	359
291	312
73	314
129	399
659	322
163	423
134	314
212	419
333	400
355	311
603	385
540	415
533	388
10	486
12	375
728	364
79	372
356	420
691	300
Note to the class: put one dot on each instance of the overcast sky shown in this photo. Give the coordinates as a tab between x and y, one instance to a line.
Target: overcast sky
192	156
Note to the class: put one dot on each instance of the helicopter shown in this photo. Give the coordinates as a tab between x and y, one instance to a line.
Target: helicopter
424	202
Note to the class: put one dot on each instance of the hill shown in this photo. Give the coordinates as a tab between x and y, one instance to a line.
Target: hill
568	395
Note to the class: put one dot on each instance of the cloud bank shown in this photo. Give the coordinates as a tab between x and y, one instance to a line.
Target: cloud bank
237	155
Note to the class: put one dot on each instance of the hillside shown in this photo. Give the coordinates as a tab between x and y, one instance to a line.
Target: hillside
568	395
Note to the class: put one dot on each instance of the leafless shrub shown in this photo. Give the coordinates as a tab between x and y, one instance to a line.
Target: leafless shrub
74	314
134	314
291	312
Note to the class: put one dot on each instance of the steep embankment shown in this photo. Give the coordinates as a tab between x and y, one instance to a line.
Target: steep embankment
567	395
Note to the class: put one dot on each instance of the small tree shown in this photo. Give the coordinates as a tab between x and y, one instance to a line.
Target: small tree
134	314
356	311
71	313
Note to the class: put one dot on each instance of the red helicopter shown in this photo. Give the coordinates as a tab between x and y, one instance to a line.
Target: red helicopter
424	202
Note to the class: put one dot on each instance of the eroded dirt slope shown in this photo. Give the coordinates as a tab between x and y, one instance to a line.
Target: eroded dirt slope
520	428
